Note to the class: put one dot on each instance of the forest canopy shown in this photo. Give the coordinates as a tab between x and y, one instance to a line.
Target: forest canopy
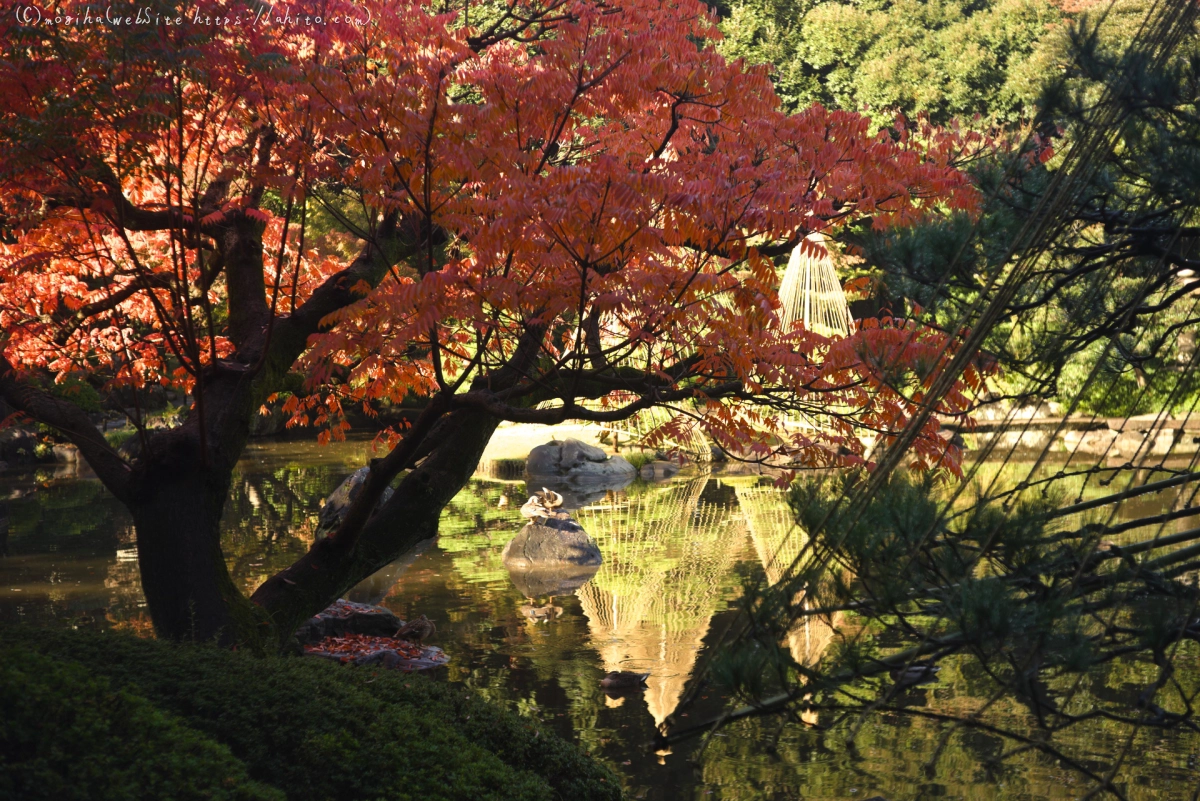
948	59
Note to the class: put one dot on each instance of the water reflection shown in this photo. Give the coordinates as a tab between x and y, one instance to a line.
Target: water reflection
375	588
649	607
69	551
779	542
674	555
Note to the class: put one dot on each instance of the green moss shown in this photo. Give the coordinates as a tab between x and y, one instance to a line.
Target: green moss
319	730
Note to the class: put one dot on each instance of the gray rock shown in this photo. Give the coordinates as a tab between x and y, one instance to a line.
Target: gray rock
544	460
551	556
554	542
431	657
577	461
66	454
535	582
658	471
574	451
338	502
615	468
343	617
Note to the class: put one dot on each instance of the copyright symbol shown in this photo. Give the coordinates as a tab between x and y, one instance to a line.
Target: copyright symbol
26	15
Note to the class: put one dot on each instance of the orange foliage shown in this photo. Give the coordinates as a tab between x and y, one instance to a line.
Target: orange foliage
599	166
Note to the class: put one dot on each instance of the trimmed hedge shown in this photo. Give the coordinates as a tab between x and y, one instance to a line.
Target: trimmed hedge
65	735
309	728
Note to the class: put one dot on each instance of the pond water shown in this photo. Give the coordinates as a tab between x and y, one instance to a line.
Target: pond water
675	556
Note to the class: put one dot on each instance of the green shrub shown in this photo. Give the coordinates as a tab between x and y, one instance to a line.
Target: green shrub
65	735
319	730
119	436
640	458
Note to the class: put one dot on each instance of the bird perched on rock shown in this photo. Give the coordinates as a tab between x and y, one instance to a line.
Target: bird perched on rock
541	504
421	628
624	680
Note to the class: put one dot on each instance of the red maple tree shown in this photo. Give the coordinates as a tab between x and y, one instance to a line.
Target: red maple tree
522	210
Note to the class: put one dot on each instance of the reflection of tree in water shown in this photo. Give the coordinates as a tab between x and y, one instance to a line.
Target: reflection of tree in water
891	756
958	718
665	555
74	544
475	526
271	521
271	517
778	541
498	651
62	536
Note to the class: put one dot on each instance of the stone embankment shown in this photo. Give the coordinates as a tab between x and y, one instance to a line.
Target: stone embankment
1112	438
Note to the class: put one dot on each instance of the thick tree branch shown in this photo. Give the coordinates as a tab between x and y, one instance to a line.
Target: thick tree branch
408	518
73	423
242	252
570	410
395	240
384	470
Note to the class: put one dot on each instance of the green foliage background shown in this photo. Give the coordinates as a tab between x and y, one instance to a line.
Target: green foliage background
944	58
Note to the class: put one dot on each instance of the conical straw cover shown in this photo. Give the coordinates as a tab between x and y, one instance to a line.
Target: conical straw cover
812	293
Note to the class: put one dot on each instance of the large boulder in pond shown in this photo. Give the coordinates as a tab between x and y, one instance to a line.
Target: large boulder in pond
577	461
551	542
338	503
551	556
658	470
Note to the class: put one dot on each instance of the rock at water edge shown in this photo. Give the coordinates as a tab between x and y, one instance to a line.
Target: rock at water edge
338	502
344	617
577	460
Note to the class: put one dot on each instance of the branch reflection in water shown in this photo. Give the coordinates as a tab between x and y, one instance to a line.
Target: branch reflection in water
675	555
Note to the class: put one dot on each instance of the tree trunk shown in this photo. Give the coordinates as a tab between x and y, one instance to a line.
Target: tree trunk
188	589
411	516
177	507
